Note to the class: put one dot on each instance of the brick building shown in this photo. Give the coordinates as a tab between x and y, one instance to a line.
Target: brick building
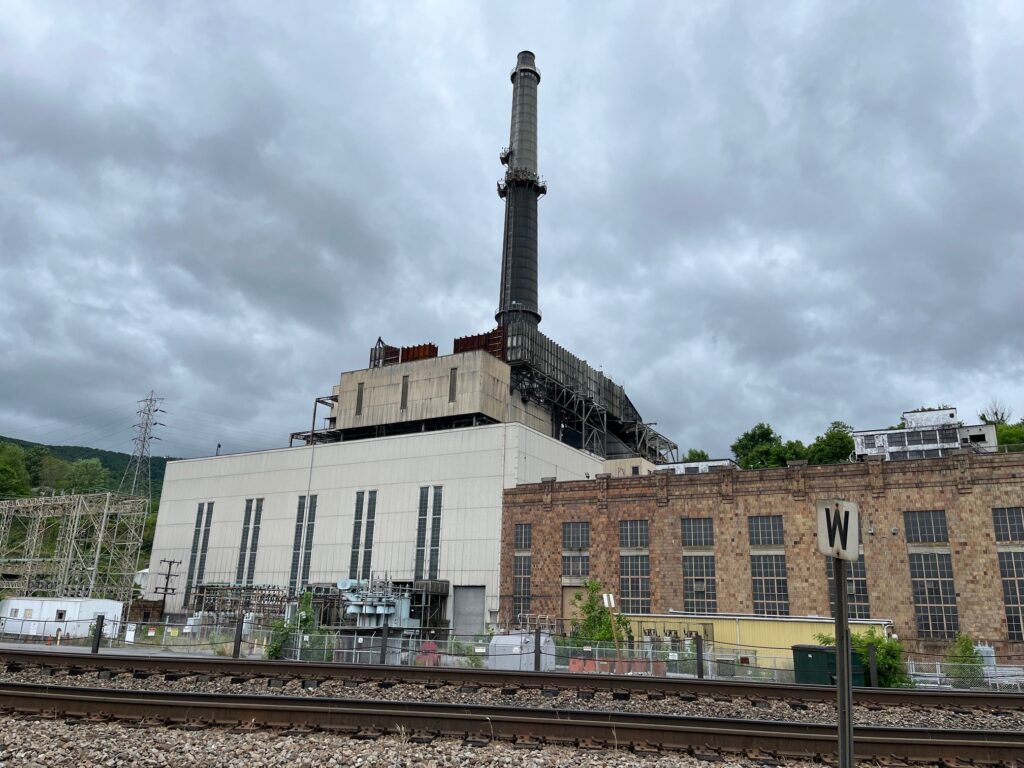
942	544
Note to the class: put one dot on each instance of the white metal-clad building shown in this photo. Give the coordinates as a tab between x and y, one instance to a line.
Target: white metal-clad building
57	616
418	506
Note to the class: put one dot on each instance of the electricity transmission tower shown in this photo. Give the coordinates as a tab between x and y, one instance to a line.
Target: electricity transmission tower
137	479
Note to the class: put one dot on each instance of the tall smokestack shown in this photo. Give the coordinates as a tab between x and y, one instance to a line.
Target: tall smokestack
520	189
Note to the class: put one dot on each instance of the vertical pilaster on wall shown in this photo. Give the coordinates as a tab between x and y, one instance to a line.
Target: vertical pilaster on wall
725	485
964	478
662	485
876	475
797	479
602	490
549	486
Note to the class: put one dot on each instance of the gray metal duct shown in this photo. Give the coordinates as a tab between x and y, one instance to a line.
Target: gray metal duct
520	189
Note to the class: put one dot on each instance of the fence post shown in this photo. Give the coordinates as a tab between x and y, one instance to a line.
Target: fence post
872	666
98	634
236	651
699	643
536	650
384	644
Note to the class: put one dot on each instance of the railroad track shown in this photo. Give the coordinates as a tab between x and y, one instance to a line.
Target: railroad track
425	721
80	660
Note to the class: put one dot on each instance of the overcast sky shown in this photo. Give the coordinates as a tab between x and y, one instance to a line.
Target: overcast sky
793	213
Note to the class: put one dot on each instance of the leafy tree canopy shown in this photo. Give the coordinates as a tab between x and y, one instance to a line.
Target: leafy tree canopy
14	477
87	475
761	447
594	622
833	447
696	454
1011	435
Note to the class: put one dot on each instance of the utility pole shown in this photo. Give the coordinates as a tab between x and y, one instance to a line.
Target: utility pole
166	589
137	478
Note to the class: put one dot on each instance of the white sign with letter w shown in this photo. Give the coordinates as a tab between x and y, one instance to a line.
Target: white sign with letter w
838	529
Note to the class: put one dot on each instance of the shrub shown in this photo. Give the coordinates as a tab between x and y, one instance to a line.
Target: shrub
892	669
962	666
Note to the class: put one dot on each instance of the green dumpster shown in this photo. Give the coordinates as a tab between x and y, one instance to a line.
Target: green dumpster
816	665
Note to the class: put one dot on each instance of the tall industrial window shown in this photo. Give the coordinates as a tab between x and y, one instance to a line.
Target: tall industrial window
201	570
522	569
700	594
246	519
435	533
1009	528
1011	571
293	574
405	393
766	531
576	549
926	527
857	589
421	532
371	513
698	532
931	577
453	377
633	534
308	549
771	588
635	583
359	398
1009	523
523	538
193	554
357	532
254	544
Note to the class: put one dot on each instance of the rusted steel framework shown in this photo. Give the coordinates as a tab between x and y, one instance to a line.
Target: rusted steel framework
83	545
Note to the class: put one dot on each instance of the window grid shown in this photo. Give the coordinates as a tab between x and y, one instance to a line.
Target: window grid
926	526
357	534
700	594
405	393
576	535
1011	571
435	533
293	573
634	534
201	569
371	512
522	569
254	544
307	554
931	579
359	398
523	538
453	378
1009	523
193	554
575	565
857	600
635	583
421	532
897	440
698	532
766	531
247	518
771	587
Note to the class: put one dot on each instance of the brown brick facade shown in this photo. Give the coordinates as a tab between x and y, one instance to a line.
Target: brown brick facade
967	486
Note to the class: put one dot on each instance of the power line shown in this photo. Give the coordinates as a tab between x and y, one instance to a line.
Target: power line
137	479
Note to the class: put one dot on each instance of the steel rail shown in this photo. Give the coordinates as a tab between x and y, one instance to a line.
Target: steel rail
483	677
611	729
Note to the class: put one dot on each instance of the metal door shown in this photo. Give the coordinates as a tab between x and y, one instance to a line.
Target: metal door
468	610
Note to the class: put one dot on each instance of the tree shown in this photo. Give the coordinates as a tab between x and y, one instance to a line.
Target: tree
14	477
593	622
1011	436
892	670
761	447
963	666
833	447
696	454
87	475
996	412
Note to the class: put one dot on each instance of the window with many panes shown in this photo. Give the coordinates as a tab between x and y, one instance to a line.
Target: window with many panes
931	578
766	530
575	549
698	532
1011	571
633	534
926	527
771	588
523	536
857	588
699	590
522	569
576	535
1009	523
635	583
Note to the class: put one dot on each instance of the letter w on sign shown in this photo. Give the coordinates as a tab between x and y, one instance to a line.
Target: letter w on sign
838	529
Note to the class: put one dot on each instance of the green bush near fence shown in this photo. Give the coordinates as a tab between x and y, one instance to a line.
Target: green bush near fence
963	666
892	669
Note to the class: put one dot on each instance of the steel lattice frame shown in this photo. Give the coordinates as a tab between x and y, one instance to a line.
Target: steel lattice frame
83	545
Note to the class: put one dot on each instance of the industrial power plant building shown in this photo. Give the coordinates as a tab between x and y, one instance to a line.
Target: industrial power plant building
405	478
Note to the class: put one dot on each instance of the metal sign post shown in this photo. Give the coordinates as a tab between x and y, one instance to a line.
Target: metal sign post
839	538
609	603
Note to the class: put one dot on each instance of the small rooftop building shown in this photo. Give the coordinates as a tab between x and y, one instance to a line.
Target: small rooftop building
925	434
